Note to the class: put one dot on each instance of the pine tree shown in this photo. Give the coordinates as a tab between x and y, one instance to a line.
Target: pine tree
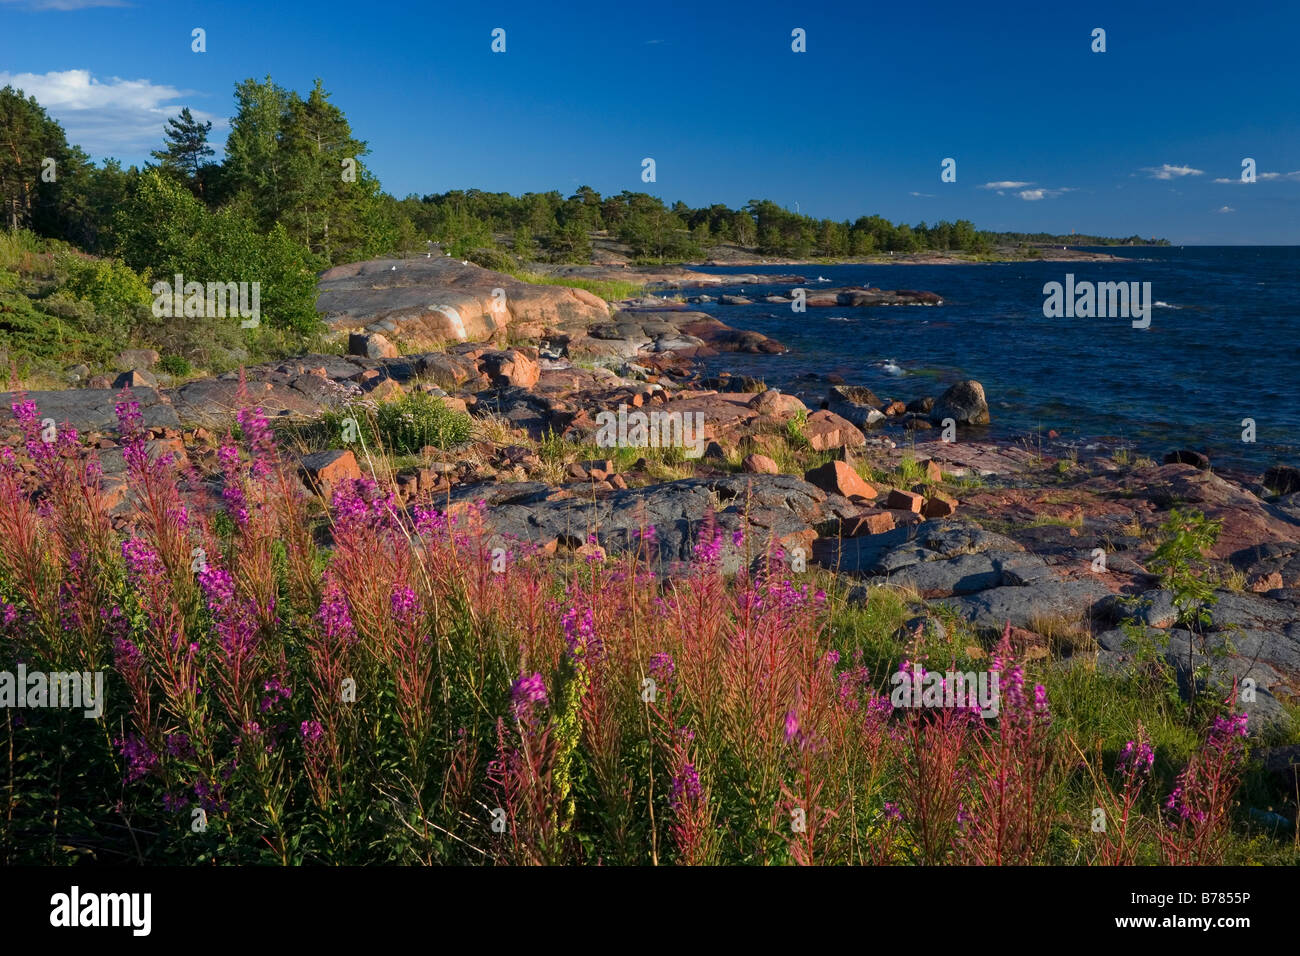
328	211
186	149
29	138
254	167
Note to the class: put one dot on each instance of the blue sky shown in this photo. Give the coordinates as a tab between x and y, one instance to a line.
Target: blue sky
1127	141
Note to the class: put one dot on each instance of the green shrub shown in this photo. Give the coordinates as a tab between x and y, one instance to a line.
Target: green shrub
175	365
400	427
493	259
43	334
110	286
418	419
794	429
165	230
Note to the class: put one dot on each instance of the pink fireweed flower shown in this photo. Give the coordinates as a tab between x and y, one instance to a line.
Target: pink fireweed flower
527	694
708	547
429	522
311	731
275	692
130	426
235	625
261	443
404	605
1136	757
1040	702
143	565
334	617
964	817
1226	729
796	734
43	454
1177	805
130	423
140	760
174	803
662	667
232	490
126	655
791	726
685	786
580	631
358	503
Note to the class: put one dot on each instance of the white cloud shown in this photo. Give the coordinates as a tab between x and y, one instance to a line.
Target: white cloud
1293	177
1033	195
1005	185
110	117
1171	172
922	195
1226	209
67	4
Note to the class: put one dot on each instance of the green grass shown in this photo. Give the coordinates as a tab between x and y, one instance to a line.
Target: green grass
400	427
608	289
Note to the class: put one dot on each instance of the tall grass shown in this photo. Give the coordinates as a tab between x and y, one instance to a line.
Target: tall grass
405	686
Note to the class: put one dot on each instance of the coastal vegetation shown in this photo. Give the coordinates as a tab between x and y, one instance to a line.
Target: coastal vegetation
369	683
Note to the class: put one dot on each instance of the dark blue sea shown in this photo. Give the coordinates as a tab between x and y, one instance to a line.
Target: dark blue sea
1223	346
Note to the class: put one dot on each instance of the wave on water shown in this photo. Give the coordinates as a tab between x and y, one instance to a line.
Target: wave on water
838	318
1165	305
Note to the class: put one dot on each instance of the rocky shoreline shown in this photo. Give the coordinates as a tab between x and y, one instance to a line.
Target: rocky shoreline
865	487
687	276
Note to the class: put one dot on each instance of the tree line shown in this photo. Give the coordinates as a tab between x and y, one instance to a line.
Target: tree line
293	195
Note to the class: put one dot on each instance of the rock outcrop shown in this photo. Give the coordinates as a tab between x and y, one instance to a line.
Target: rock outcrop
426	301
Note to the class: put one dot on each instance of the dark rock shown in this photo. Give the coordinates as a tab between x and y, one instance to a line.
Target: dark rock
921	406
1282	479
855	404
991	609
91	409
1151	609
964	403
766	506
136	378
